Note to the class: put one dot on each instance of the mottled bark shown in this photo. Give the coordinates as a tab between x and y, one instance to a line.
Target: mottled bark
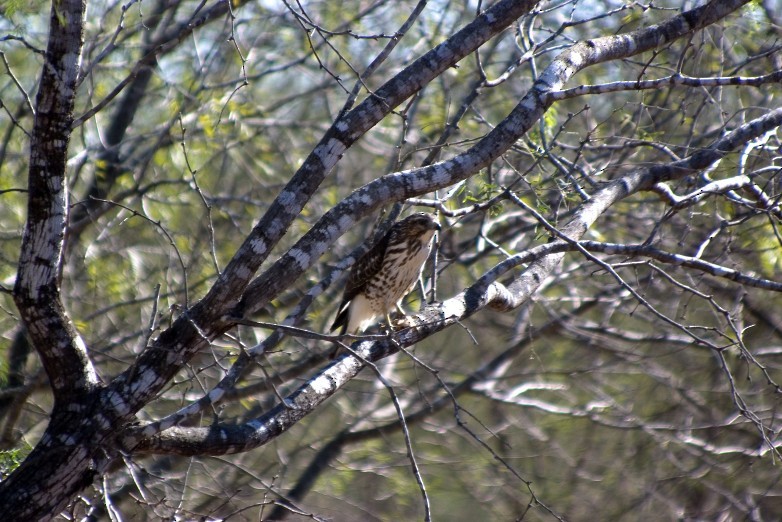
61	464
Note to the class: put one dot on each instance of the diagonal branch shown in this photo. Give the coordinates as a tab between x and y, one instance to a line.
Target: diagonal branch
207	319
346	131
398	186
486	292
415	182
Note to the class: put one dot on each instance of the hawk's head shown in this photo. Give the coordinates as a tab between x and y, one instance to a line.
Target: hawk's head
417	225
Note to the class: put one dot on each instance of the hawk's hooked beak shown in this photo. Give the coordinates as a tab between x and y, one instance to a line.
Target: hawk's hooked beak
436	226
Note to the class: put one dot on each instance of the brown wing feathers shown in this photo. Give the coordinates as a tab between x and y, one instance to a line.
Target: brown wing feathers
362	271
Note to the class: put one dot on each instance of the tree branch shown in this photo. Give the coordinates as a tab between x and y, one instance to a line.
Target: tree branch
401	185
415	182
208	318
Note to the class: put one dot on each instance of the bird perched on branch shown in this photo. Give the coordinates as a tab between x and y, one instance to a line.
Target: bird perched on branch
386	273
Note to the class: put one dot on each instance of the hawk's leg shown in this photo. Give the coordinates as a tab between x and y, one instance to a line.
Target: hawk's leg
388	328
400	311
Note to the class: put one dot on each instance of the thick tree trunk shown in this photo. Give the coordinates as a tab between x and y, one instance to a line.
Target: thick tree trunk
63	463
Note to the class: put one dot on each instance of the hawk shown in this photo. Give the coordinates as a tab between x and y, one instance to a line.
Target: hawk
386	273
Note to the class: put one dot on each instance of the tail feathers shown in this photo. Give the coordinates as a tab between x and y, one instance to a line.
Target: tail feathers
341	320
